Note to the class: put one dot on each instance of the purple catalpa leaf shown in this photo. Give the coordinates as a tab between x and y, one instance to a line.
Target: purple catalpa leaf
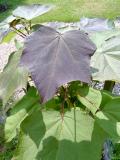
54	59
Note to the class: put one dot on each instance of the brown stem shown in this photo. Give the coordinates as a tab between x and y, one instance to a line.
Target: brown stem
62	111
30	25
27	30
23	35
75	123
19	34
62	106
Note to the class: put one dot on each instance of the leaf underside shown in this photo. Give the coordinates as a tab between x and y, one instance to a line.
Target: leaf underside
54	59
29	12
106	60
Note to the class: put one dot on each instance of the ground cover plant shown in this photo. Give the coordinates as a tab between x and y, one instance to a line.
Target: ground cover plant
61	115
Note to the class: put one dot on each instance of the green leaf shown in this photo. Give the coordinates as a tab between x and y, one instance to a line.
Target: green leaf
106	60
5	27
35	27
8	37
100	37
29	12
96	24
110	127
45	135
109	117
112	108
54	103
19	112
13	77
89	97
106	97
18	44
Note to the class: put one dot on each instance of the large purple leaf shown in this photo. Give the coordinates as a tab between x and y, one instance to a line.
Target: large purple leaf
54	59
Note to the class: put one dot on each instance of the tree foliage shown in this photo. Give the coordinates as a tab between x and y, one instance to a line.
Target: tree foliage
75	119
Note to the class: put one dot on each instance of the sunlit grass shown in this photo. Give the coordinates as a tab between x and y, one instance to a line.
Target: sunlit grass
71	10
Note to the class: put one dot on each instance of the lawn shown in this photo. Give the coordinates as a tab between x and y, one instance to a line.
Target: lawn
71	10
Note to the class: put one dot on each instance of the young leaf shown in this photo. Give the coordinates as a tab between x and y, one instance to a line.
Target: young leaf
29	12
106	60
89	97
19	112
54	59
12	77
56	139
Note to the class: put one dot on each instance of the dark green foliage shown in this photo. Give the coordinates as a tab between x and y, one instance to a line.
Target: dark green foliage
116	152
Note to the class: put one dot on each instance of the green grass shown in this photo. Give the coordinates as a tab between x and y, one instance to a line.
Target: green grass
71	10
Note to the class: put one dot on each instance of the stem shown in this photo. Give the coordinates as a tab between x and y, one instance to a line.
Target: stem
19	34
30	25
75	123
62	110
94	83
23	35
27	30
64	99
109	85
28	86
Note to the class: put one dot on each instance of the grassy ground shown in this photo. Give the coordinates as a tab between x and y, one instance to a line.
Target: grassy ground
71	10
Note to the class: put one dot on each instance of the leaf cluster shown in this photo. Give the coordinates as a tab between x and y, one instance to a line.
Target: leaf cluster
60	115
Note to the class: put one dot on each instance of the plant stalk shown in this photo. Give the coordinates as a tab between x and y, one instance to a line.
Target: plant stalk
75	122
19	32
109	85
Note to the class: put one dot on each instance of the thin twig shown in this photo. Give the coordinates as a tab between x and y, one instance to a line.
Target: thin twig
62	110
62	106
27	30
75	122
19	32
30	25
